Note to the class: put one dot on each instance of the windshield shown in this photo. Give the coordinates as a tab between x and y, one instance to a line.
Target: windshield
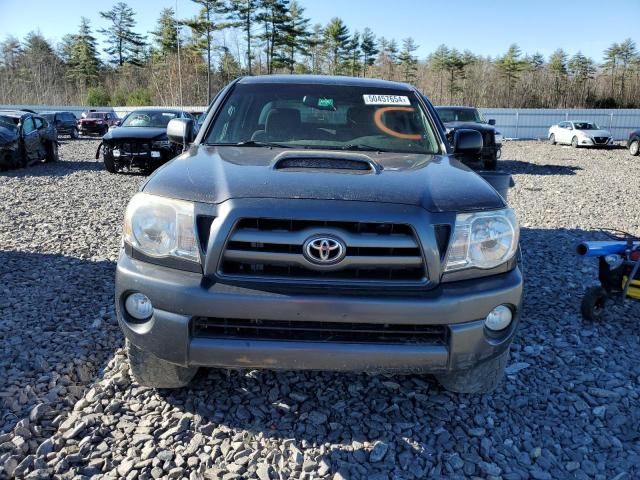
149	118
96	115
323	117
10	123
460	115
585	126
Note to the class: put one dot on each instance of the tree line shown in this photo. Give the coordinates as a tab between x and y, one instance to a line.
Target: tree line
229	38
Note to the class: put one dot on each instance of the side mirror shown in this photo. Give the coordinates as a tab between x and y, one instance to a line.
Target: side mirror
467	141
492	121
180	131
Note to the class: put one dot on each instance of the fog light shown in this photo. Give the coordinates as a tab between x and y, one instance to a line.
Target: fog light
138	306
499	318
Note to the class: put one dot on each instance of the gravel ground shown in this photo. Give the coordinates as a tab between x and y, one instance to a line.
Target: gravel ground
569	407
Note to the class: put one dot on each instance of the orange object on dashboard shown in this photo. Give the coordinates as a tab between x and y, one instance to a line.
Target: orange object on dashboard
378	120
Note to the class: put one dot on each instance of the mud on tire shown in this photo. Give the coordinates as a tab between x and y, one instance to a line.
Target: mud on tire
150	371
483	378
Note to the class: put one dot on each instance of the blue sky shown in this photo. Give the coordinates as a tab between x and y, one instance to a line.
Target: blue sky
486	27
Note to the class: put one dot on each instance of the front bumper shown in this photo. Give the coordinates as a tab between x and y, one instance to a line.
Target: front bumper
179	296
590	142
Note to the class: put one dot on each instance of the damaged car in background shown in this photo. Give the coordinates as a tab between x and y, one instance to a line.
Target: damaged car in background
470	118
26	139
140	141
96	122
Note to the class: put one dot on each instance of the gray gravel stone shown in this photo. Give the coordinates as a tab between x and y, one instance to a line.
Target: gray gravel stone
573	412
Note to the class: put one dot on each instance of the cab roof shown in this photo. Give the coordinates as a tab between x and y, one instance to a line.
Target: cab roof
324	80
14	113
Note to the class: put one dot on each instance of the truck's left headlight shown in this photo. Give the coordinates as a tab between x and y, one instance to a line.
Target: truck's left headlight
483	240
161	227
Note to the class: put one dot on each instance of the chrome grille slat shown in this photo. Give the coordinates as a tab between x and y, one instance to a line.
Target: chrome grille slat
272	249
365	240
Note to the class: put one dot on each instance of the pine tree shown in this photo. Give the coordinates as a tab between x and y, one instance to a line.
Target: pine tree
558	68
317	48
627	55
125	45
439	61
510	65
166	34
369	50
243	15
336	36
408	61
296	37
582	69
10	51
83	62
203	27
354	52
273	14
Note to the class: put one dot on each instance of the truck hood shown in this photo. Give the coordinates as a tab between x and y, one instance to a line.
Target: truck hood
142	133
212	174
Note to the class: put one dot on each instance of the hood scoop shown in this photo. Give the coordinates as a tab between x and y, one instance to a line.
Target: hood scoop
326	161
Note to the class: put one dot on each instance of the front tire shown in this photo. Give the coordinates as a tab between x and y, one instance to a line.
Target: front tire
634	148
52	152
74	133
552	139
574	142
483	378
150	371
109	163
593	303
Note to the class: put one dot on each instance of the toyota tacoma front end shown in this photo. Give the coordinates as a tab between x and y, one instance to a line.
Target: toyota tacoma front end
319	223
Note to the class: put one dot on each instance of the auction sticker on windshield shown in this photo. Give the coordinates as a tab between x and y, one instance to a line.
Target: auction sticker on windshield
386	100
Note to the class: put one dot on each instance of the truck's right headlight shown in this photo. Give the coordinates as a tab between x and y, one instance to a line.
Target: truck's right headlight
161	227
483	240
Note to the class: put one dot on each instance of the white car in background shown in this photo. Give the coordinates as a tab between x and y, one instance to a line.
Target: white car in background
579	134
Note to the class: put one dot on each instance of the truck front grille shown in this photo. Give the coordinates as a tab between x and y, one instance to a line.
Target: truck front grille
375	252
489	138
347	332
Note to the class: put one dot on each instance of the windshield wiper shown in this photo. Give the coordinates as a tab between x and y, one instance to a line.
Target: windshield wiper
256	143
362	147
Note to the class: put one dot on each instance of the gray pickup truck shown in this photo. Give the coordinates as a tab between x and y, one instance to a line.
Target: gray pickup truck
319	223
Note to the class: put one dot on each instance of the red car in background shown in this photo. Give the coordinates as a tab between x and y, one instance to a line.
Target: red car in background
96	122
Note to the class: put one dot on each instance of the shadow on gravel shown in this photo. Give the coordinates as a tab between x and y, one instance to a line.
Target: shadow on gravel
56	169
549	402
57	330
573	400
526	168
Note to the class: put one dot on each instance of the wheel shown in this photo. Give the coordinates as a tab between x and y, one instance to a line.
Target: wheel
74	133
634	148
149	371
491	162
109	163
483	378
574	142
593	303
552	139
52	152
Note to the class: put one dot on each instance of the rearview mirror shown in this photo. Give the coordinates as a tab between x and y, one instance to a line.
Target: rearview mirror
492	121
467	141
180	131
